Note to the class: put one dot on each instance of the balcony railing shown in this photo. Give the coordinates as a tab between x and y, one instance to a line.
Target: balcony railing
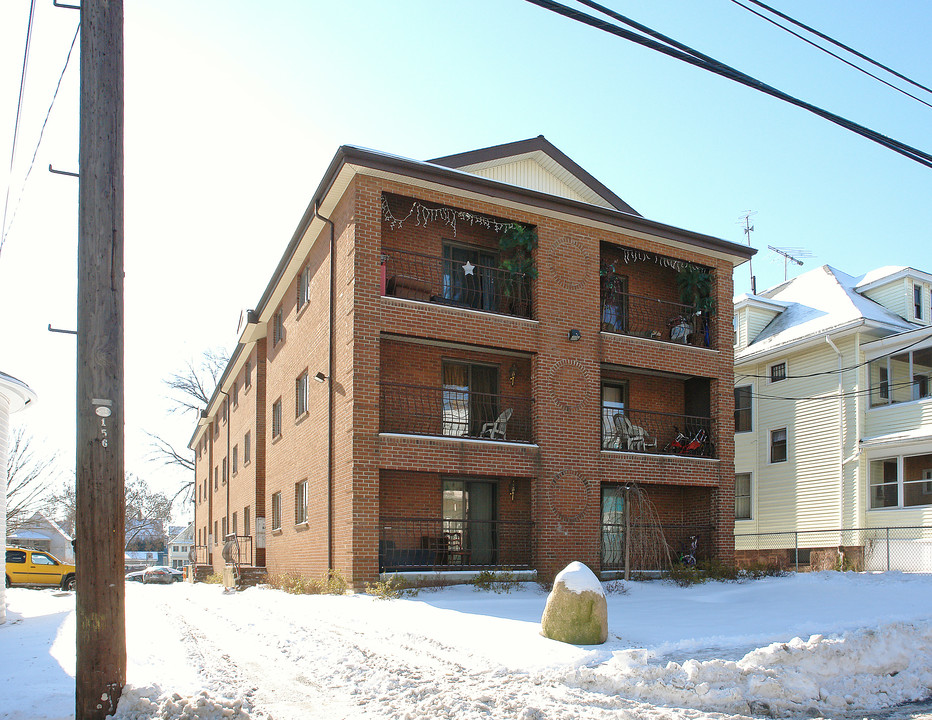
439	544
416	276
643	538
659	433
454	412
656	319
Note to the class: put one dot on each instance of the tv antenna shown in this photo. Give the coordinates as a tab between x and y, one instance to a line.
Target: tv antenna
790	254
748	229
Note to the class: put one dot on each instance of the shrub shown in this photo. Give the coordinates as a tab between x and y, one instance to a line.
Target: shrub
333	583
391	589
214	579
686	575
615	587
500	582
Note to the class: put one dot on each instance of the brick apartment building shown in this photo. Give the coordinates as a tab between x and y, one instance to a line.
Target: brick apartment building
404	398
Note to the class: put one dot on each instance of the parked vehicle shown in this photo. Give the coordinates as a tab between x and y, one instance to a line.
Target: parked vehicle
38	568
161	574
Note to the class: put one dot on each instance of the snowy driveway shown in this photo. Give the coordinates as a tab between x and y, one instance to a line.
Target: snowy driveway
672	653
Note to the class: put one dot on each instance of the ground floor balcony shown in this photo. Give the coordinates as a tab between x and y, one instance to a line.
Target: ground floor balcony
455	411
422	544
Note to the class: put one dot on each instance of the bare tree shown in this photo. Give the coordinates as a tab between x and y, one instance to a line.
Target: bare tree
147	512
189	391
29	478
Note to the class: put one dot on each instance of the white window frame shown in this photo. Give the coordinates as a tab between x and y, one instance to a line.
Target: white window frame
786	432
750	408
303	288
750	497
277	511
301	395
300	503
277	419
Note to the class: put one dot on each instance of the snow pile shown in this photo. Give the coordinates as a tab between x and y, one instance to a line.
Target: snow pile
577	578
861	670
136	704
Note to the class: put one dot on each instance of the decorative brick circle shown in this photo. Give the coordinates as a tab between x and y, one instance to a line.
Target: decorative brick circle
569	382
569	263
568	494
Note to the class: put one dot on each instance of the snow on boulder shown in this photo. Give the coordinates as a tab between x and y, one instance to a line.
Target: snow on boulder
576	611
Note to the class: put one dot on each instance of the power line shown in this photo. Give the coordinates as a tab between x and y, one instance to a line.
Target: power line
682	52
839	44
838	371
829	52
35	153
835	395
19	110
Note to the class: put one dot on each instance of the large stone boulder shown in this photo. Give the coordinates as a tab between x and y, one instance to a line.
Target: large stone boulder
576	611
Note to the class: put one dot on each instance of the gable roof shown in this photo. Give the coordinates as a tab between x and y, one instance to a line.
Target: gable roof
818	302
536	164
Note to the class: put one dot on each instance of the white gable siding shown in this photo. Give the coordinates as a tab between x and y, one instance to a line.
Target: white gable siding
529	174
758	319
895	296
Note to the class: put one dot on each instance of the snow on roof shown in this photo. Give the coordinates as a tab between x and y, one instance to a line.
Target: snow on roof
818	302
186	535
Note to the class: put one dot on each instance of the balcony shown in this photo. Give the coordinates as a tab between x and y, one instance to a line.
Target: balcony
476	286
658	433
454	412
411	544
655	319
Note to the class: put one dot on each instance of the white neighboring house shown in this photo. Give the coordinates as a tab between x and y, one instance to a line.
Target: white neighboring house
833	419
40	532
179	546
14	396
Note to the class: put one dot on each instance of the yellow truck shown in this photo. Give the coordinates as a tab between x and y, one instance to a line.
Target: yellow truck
38	568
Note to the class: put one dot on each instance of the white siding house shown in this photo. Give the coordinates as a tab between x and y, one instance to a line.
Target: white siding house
833	416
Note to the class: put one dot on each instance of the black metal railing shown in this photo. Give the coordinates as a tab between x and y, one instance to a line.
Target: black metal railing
642	551
410	544
428	278
454	412
879	549
239	548
658	433
656	319
201	554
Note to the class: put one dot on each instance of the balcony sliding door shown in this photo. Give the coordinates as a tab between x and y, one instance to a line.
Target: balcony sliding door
468	277
470	398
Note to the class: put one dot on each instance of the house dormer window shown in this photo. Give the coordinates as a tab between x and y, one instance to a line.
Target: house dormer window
917	301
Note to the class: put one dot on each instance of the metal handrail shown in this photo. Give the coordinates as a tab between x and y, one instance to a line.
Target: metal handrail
454	412
659	433
416	276
656	319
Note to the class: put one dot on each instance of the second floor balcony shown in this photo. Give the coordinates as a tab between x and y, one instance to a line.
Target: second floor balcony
655	319
465	278
454	411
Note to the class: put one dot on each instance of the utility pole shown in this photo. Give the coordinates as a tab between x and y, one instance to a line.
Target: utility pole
100	535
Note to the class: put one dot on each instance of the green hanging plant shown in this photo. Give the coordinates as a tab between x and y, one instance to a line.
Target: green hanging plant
517	244
695	286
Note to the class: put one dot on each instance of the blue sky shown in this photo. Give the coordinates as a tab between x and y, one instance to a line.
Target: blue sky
234	109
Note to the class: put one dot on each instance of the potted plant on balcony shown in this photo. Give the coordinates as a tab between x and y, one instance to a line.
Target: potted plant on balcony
695	286
614	304
517	244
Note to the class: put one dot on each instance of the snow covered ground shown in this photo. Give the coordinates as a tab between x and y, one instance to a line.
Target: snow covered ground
830	644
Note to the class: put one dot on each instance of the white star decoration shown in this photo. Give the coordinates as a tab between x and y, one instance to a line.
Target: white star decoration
468	268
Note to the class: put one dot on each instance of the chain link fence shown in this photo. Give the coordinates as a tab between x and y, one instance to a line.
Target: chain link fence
907	549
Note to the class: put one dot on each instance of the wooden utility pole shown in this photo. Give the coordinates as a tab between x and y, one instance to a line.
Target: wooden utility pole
100	541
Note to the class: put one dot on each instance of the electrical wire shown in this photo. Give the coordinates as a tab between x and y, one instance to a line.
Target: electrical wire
838	371
836	43
19	110
35	152
833	395
829	52
682	52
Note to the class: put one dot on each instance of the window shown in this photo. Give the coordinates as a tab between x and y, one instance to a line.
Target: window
469	276
247	448
917	301
42	559
300	502
901	378
277	418
248	371
215	532
304	288
235	527
223	526
778	445
216	429
216	478
900	482
235	459
778	372
278	330
300	395
225	475
470	398
276	511
225	409
613	403
743	408
247	528
884	484
234	393
16	556
743	496
614	302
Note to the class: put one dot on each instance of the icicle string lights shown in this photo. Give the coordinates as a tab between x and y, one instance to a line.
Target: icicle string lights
629	256
448	216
